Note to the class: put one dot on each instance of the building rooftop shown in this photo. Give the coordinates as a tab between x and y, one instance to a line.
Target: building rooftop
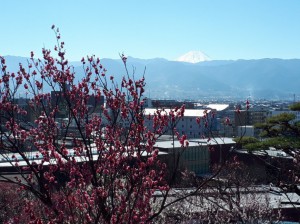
187	112
218	107
195	142
270	152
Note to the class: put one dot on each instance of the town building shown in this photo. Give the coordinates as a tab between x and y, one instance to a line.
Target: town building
188	124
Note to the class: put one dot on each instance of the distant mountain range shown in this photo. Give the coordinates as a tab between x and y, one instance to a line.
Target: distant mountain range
261	78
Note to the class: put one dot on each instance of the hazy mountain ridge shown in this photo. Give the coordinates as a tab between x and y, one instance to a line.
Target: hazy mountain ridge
261	78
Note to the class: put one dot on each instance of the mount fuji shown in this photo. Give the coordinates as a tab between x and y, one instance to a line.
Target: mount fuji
194	57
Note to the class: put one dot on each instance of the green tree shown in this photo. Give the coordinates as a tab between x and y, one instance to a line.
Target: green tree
280	125
283	132
295	106
245	140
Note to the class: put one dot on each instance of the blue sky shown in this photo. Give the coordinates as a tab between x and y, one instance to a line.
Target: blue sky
223	29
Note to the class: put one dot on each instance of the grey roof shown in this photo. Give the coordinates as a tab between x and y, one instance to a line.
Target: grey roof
195	142
270	152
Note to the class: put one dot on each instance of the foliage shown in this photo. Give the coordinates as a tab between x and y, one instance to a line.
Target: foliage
245	140
279	125
284	143
295	106
278	131
283	133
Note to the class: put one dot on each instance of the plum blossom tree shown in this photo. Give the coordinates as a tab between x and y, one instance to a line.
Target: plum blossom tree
81	162
78	165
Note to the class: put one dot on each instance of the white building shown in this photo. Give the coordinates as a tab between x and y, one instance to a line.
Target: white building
188	125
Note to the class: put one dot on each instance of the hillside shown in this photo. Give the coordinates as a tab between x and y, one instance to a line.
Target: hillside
263	78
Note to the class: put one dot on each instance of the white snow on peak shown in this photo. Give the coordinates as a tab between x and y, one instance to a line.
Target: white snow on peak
194	57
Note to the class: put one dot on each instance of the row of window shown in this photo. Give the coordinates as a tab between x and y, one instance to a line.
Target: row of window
191	134
191	126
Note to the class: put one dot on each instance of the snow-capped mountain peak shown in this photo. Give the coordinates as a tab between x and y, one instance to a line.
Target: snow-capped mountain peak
194	57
